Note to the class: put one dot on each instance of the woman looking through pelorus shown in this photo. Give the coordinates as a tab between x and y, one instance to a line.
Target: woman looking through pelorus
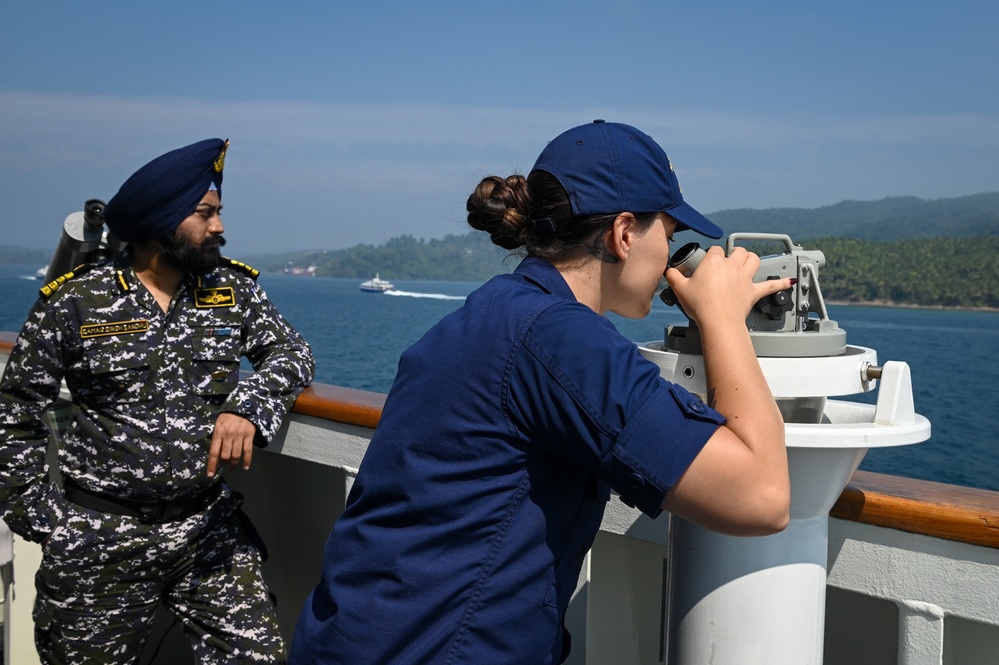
511	421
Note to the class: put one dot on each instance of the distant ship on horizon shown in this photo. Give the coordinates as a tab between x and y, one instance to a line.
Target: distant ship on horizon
299	270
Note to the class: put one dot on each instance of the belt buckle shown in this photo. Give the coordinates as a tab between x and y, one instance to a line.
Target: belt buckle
152	513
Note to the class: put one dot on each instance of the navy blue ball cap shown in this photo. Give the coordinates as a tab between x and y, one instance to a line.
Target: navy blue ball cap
163	193
607	168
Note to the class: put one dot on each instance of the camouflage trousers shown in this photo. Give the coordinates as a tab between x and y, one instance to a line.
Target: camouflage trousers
103	576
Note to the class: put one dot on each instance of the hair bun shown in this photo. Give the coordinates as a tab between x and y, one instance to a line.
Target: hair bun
501	207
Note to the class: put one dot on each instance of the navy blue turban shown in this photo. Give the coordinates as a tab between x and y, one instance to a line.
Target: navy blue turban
166	191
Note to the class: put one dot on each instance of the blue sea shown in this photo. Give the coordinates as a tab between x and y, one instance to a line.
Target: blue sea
357	338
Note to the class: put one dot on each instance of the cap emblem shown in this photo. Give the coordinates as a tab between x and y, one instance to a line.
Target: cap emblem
219	162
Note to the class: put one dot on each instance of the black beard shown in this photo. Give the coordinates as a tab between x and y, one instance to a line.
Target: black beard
181	253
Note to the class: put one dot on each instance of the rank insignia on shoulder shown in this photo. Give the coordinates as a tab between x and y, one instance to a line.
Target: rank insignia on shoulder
239	265
50	288
219	296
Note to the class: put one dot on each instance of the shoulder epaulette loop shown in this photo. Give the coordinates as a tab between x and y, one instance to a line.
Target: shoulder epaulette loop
50	288
239	265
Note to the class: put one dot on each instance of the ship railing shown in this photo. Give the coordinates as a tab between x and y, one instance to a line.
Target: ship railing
913	565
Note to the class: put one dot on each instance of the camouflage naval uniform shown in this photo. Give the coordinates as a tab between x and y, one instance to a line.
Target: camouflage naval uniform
147	388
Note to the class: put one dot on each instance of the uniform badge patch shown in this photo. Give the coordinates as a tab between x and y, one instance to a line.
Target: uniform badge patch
114	328
220	296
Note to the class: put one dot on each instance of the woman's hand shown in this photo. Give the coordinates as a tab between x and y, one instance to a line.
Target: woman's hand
722	287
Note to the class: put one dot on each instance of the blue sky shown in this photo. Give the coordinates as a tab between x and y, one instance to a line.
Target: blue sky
358	121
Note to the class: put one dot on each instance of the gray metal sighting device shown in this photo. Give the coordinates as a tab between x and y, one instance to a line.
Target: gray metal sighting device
788	324
84	240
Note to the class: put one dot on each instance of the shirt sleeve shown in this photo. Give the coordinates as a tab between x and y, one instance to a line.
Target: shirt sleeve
282	361
583	391
29	503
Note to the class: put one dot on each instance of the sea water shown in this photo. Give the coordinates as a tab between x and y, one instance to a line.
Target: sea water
357	338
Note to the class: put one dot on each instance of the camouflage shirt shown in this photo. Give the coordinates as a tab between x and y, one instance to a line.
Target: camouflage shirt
146	385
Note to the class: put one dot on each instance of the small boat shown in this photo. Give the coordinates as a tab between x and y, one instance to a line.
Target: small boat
376	285
299	270
41	272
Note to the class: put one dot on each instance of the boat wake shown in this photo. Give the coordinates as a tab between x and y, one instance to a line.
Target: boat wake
413	294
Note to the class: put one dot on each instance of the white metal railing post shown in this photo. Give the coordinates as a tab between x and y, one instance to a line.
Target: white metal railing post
349	475
920	633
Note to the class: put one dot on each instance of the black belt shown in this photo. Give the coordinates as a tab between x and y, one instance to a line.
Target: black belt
154	512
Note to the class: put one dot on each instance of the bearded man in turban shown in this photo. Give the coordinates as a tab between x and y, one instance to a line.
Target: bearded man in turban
149	346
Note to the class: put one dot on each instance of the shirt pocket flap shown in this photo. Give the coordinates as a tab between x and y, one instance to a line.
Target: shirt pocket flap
119	372
216	355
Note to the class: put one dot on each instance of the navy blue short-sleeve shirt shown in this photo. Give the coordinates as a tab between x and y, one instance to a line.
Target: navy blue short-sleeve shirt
507	427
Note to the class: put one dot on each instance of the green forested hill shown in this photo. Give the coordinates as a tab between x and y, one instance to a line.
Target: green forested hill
468	257
945	272
471	256
902	250
898	218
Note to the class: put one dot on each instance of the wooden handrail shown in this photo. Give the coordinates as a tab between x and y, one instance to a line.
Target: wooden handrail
343	405
951	512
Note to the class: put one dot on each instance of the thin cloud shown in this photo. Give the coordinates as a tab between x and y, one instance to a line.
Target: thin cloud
85	125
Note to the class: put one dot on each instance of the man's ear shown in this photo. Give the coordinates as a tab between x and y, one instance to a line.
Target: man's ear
621	236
